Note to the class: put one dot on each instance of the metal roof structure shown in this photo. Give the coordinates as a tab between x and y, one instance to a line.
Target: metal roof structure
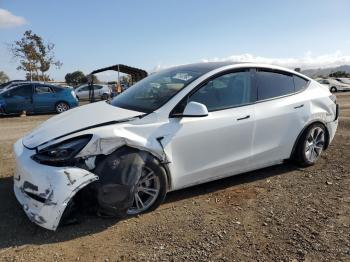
135	73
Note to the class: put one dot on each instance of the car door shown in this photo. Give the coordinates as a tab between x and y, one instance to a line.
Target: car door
217	145
19	99
98	90
83	92
279	115
44	98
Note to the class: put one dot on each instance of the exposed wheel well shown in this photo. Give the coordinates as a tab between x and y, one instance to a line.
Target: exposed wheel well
165	166
304	129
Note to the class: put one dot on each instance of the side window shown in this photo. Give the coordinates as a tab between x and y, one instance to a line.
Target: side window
97	87
272	84
226	91
24	91
299	83
85	88
43	90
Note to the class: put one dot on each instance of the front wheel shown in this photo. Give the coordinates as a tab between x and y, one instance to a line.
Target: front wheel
150	189
311	145
61	107
333	89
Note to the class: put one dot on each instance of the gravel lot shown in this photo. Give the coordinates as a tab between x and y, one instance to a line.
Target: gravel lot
281	213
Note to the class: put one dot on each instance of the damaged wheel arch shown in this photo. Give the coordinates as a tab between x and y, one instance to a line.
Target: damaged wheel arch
131	181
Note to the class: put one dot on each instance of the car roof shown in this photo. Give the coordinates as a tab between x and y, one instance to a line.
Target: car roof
206	67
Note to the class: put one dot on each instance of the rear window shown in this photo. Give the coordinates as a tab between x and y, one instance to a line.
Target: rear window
299	83
272	84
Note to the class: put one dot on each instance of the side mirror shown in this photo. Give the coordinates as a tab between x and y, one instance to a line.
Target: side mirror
195	109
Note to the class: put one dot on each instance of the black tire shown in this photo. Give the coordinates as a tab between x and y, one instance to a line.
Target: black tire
333	89
61	107
104	96
300	155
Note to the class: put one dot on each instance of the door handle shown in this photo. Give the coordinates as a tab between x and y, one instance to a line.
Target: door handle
296	107
242	118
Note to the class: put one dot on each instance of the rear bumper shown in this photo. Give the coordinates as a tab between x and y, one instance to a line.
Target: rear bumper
44	191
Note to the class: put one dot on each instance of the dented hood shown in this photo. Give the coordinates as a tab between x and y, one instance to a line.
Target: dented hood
77	119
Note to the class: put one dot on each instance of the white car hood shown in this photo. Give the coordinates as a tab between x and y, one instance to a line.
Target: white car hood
75	120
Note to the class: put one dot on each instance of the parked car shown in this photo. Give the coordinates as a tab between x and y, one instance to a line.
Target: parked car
343	80
176	128
36	98
334	85
102	92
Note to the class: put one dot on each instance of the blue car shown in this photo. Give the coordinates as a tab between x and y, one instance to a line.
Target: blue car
36	98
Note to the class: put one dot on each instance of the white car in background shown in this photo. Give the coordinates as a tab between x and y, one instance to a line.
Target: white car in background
334	85
344	80
177	128
102	92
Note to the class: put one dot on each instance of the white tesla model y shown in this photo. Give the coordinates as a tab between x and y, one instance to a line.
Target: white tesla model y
176	128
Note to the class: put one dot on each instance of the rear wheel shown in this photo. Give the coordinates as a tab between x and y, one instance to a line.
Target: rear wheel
61	107
334	89
311	145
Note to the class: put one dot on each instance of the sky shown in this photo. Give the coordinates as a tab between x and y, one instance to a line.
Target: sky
155	34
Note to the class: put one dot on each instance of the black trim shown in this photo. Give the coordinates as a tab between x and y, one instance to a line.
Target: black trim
191	115
243	118
35	197
336	112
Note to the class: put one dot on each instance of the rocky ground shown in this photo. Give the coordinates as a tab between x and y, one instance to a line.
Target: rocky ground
281	213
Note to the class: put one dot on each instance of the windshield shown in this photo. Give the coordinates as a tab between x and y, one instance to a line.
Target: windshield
155	90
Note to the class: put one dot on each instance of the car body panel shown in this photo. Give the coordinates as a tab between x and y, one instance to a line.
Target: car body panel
53	186
193	149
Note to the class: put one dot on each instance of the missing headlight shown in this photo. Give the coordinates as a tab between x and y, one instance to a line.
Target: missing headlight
63	153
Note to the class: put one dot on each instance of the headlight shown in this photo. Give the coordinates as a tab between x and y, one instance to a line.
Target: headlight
62	153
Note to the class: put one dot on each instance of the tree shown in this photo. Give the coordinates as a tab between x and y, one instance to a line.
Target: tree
34	55
339	74
77	78
3	77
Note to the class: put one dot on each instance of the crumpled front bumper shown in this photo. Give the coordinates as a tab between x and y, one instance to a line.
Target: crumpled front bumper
44	191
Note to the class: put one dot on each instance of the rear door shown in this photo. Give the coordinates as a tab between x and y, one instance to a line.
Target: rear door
44	98
19	99
220	144
279	115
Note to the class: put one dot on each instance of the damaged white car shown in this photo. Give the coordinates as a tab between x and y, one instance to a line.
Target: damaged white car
176	128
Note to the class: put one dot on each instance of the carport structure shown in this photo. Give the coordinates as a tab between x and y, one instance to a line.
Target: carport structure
135	73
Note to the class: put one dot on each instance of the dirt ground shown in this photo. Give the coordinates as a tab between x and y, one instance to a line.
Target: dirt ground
281	213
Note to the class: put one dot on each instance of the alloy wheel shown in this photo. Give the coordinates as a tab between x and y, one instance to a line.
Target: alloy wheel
147	191
314	144
62	107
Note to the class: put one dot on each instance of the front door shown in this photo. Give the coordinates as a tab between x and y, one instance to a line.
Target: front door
220	144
